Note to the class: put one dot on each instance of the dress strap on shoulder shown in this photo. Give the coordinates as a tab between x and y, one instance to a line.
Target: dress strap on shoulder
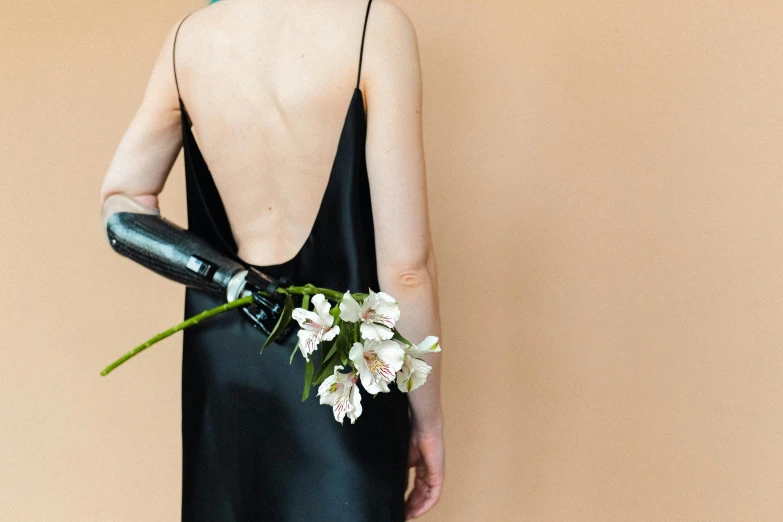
361	50
174	51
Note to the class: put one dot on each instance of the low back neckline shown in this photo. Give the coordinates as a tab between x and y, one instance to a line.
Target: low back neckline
342	234
357	97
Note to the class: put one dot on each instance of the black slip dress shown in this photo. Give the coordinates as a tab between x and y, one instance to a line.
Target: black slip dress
251	449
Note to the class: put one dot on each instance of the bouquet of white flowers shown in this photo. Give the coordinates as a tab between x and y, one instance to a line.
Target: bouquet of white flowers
359	332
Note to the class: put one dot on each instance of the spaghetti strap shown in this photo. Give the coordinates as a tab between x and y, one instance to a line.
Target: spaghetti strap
174	52
361	50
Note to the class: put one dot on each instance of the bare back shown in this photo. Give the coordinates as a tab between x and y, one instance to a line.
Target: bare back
267	87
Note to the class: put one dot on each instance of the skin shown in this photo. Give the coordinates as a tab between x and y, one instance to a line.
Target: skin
267	86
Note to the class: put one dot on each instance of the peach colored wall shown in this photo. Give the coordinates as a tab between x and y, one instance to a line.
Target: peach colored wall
605	182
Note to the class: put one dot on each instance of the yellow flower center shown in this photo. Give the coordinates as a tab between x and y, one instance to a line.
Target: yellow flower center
378	368
374	363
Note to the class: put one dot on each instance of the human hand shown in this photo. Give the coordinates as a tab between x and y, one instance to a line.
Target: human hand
426	455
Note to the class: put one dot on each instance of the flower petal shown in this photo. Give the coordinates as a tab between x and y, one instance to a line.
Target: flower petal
322	307
428	345
303	317
375	332
308	342
371	385
340	391
331	333
324	390
412	374
383	296
366	377
356	401
391	353
404	374
420	370
387	311
356	354
379	361
340	408
350	309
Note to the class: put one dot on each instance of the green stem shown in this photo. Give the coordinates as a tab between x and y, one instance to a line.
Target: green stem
306	290
189	322
309	289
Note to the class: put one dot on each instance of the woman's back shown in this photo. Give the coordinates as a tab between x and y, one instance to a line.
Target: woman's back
267	86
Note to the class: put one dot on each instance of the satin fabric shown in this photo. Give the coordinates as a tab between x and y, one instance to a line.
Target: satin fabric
251	449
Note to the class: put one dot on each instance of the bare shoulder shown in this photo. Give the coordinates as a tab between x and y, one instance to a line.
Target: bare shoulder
390	12
390	23
195	22
199	23
391	48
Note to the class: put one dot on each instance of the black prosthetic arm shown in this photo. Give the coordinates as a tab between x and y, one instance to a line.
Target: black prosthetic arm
184	257
171	251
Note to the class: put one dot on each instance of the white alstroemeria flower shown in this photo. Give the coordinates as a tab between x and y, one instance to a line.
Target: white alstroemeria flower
377	362
341	392
316	326
413	373
428	345
378	313
414	370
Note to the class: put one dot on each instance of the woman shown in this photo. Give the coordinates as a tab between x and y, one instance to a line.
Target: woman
285	184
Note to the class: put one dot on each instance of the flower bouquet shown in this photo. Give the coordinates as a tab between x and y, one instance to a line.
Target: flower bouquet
358	332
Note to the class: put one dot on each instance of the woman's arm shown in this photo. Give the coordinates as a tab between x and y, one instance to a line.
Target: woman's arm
396	168
152	142
404	250
132	222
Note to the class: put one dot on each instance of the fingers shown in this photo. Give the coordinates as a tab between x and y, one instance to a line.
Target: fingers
422	498
427	485
426	455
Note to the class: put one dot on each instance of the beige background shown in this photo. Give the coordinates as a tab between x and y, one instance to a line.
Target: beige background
605	190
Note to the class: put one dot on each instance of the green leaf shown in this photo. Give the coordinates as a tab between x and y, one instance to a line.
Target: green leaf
308	379
332	357
296	347
326	368
396	335
346	348
282	322
331	351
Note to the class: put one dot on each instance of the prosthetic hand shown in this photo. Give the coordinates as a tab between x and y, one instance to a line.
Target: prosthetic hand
141	234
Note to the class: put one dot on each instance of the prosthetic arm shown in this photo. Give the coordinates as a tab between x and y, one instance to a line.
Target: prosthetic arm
141	234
